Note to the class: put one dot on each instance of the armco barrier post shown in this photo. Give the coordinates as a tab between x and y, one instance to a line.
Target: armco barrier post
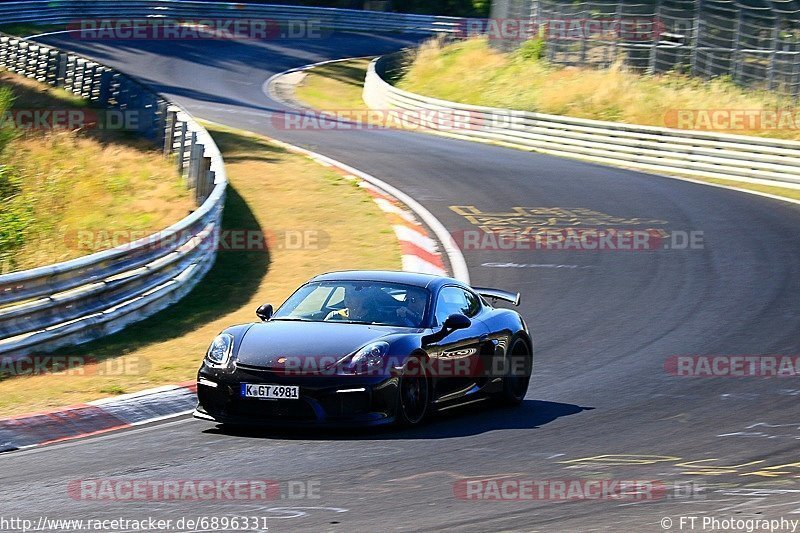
169	131
104	93
53	62
195	154
202	178
182	147
210	178
61	69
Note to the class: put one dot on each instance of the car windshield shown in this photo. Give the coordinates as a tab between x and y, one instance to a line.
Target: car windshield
357	302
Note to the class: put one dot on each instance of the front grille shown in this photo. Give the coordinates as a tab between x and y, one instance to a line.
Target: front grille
266	409
345	404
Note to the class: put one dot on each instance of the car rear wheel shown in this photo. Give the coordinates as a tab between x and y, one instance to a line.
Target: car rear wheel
414	393
518	373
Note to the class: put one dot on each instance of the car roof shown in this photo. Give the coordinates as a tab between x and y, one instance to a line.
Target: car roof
429	281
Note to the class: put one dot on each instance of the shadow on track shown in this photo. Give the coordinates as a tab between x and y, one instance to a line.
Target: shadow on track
468	420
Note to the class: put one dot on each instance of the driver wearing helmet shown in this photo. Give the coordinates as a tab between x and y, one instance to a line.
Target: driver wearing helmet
411	315
356	306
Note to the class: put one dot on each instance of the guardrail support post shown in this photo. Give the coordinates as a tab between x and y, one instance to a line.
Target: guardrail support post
195	152
204	167
182	147
169	131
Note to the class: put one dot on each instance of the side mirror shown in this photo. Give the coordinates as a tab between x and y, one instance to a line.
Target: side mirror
452	323
457	321
264	312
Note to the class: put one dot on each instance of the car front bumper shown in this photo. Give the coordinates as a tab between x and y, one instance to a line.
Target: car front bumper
324	400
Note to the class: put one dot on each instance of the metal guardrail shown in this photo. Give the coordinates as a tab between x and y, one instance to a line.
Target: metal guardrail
713	155
92	296
66	11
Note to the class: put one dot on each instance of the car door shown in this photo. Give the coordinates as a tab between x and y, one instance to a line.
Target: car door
456	358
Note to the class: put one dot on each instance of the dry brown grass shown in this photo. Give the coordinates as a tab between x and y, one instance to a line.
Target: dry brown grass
471	72
271	191
335	86
75	184
62	182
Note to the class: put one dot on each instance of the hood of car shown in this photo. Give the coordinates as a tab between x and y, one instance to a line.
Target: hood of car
265	344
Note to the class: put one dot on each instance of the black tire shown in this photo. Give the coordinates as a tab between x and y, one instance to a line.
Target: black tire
413	393
515	383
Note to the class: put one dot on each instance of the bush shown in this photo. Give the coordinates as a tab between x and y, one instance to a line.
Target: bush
533	49
455	8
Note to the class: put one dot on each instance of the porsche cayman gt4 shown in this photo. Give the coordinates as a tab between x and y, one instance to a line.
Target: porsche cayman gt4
368	348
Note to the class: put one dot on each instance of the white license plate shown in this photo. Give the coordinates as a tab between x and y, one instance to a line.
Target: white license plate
271	392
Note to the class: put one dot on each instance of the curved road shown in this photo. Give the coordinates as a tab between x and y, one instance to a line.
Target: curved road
601	404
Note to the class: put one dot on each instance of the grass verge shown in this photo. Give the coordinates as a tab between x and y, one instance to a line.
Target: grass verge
57	184
271	190
334	86
471	72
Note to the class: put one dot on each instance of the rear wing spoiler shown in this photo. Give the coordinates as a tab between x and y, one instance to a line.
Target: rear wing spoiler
497	294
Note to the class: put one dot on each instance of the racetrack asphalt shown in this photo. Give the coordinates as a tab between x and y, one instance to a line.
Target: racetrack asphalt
601	404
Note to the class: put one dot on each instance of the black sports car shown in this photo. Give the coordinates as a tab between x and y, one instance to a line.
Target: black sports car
367	348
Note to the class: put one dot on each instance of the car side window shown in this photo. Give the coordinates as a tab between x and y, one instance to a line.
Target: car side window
456	300
474	304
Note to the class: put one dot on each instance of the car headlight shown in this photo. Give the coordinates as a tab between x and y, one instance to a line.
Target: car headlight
219	353
369	358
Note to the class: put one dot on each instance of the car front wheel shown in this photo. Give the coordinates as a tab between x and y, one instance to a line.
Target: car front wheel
414	393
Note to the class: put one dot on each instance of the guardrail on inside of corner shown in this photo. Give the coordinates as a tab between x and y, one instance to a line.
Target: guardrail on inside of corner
98	294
